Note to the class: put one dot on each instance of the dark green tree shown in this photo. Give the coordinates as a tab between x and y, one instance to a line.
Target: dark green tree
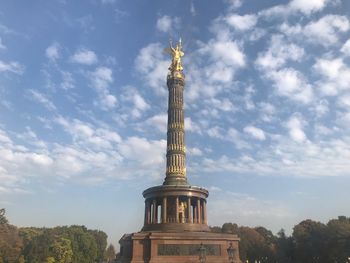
284	248
339	239
101	243
3	219
83	245
229	228
311	239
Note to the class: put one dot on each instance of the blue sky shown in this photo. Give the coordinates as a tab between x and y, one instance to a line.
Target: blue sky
83	103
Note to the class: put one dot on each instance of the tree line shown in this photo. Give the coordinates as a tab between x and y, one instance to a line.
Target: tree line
310	242
62	244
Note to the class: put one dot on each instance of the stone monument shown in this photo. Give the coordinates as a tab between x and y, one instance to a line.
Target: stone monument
175	219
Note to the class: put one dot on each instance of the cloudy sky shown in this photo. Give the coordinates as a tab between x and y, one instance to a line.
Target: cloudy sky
83	103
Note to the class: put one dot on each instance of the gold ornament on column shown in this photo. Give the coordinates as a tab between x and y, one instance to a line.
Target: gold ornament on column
176	53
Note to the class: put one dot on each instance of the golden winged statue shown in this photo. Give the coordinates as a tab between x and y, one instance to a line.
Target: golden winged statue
176	54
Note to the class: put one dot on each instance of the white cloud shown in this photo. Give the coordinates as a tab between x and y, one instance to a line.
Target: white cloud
335	75
241	23
221	104
231	135
346	48
86	134
296	6
291	83
67	80
235	3
144	151
139	105
41	98
52	52
267	111
191	126
295	126
344	101
96	154
255	132
158	121
2	46
154	68
278	53
101	78
194	151
193	9
84	56
308	7
225	57
166	23
12	66
325	31
226	51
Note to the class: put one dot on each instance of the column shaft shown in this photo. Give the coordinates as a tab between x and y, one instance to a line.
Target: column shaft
205	220
164	210
177	209
199	211
195	218
154	219
189	218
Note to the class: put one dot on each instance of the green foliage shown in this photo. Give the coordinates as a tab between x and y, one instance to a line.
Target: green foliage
74	244
101	243
311	242
3	219
83	244
230	228
62	250
110	253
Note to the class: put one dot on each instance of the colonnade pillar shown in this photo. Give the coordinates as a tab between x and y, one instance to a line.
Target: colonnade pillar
189	217
147	212
199	220
154	216
196	213
164	210
177	219
205	212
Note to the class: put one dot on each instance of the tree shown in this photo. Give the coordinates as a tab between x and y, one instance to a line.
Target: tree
62	250
38	248
339	239
110	253
310	242
252	246
101	243
215	229
83	244
229	228
10	244
284	248
3	219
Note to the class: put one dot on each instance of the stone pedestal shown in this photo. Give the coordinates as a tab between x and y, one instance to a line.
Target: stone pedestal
167	247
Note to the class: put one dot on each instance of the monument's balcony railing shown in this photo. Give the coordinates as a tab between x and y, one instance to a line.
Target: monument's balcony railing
179	221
